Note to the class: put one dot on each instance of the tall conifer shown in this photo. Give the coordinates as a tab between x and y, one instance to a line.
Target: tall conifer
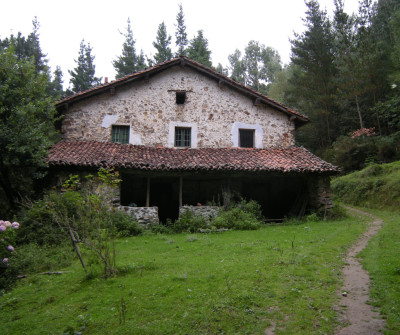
129	62
180	34
198	49
163	40
83	76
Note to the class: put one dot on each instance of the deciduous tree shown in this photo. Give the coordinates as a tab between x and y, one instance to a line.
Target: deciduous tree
26	124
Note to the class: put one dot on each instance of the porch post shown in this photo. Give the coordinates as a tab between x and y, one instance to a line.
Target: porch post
148	192
180	191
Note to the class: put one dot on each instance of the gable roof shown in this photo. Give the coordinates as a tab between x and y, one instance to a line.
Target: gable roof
96	154
183	62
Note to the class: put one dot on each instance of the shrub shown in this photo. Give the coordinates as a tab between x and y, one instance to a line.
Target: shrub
237	219
189	222
125	225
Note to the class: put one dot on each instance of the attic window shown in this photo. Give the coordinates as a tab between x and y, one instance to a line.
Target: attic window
180	98
120	134
246	138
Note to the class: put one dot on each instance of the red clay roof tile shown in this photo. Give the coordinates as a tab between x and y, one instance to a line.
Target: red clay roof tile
96	154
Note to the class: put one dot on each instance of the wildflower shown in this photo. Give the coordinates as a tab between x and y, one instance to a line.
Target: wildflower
11	248
15	225
5	260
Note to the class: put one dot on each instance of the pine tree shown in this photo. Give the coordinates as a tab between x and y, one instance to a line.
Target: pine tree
314	84
198	50
26	48
129	62
180	34
163	40
56	84
83	76
349	62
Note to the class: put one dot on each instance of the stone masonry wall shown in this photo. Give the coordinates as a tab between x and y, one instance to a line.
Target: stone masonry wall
143	215
149	107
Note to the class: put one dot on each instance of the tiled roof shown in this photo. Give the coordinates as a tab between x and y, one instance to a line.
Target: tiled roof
96	154
183	61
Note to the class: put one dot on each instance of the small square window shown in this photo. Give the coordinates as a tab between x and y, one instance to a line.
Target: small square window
120	134
183	137
180	98
246	138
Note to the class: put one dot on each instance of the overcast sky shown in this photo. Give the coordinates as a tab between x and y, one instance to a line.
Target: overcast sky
227	24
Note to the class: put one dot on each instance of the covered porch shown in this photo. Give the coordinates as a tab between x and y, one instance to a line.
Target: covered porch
279	195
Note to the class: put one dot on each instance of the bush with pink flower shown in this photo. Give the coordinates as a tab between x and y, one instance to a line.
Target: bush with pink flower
7	238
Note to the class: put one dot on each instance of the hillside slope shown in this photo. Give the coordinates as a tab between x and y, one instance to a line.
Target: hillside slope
377	186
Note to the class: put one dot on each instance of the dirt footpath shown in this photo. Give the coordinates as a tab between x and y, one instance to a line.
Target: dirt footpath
356	316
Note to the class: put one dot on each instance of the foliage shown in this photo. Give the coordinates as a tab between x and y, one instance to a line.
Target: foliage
163	40
28	48
180	34
56	84
238	282
312	86
26	125
376	186
83	76
198	50
356	152
243	215
7	240
129	62
124	224
236	219
257	68
344	68
189	222
82	213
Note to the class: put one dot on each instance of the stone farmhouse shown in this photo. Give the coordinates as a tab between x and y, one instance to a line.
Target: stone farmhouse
182	134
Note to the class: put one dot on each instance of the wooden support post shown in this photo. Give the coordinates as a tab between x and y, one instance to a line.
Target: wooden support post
148	192
180	191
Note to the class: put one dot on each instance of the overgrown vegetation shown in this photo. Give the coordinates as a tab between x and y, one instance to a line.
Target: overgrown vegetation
242	215
81	215
377	186
235	282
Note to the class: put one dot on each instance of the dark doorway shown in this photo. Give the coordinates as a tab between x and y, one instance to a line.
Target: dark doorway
164	195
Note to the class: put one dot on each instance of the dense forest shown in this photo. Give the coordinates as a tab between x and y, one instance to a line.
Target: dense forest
344	74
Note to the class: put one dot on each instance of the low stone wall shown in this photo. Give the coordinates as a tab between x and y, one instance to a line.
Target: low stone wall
143	215
208	212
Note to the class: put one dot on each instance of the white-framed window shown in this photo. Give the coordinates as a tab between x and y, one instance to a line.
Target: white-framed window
246	138
242	134
182	135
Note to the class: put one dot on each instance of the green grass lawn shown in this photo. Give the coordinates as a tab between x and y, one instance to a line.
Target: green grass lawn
236	282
